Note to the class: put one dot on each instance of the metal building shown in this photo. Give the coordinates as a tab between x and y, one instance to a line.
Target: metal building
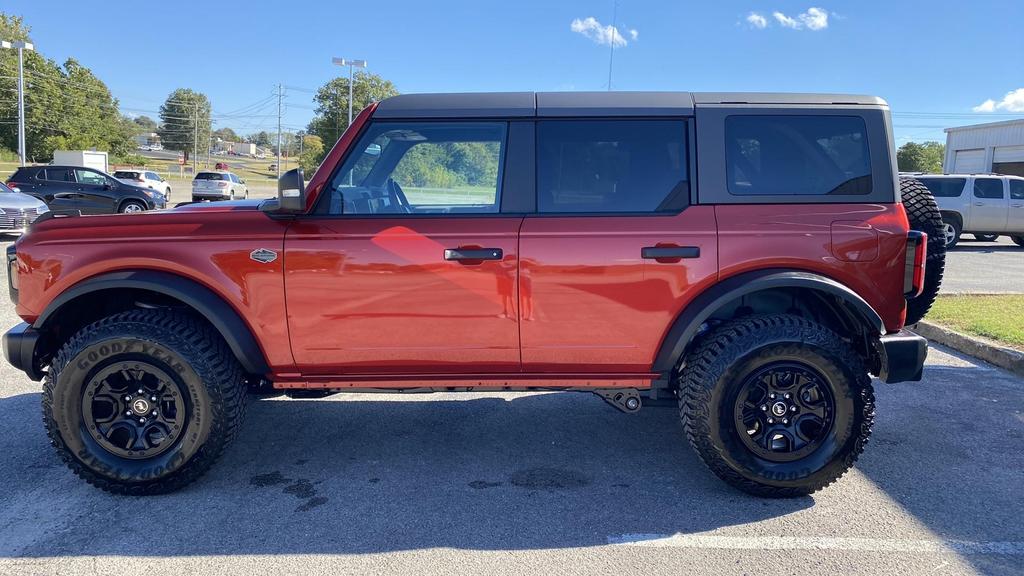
993	147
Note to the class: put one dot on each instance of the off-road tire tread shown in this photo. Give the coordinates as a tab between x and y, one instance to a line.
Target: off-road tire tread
924	216
207	353
726	345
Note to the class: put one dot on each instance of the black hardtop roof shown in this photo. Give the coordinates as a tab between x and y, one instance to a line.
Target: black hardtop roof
530	104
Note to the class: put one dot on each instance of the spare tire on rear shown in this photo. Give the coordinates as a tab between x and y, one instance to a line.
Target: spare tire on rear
924	216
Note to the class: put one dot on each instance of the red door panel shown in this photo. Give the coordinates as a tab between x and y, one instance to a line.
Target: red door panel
377	296
591	303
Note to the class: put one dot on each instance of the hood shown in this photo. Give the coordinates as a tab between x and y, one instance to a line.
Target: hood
17	200
221	206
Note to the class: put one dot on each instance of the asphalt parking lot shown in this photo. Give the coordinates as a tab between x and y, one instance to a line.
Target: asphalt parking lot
984	267
541	483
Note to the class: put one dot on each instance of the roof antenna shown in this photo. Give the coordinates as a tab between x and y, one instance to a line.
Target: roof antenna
611	44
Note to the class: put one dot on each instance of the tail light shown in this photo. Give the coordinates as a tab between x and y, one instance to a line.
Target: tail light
913	272
13	184
222	184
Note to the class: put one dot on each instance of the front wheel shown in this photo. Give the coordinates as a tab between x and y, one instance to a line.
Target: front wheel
143	402
132	207
776	405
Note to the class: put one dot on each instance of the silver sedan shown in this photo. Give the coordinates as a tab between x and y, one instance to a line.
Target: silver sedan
17	210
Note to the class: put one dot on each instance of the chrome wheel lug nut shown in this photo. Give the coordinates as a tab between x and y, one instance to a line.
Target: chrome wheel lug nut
785	420
128	412
127	398
142	420
792	408
764	408
153	413
140	390
152	398
772	395
771	421
786	396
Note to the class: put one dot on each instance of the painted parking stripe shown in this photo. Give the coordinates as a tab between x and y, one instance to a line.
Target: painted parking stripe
815	543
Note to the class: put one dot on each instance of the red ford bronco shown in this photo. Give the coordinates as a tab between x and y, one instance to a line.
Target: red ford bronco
747	254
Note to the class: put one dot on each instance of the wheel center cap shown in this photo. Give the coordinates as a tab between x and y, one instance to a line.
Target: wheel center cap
779	409
141	406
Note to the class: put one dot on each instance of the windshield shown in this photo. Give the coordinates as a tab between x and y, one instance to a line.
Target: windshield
211	176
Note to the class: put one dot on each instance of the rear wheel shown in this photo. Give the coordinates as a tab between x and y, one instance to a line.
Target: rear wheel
924	216
143	402
986	237
776	405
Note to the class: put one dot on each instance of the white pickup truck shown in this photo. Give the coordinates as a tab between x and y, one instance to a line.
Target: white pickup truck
986	205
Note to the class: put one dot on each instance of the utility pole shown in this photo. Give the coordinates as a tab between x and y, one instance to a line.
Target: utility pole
195	136
21	46
611	45
279	97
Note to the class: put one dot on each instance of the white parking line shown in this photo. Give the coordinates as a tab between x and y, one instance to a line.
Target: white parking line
816	543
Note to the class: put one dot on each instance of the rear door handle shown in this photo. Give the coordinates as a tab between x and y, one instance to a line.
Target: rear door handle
1017	205
65	195
669	253
470	254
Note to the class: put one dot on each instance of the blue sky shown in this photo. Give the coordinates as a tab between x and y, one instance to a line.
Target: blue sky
935	62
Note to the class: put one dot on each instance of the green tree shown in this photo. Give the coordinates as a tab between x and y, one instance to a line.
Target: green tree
331	99
65	107
261	139
926	157
312	154
183	115
226	134
145	123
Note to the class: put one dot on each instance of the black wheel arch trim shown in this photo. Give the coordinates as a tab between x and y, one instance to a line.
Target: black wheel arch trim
224	318
688	323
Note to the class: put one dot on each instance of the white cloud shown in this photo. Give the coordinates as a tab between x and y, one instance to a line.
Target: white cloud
786	20
1013	101
813	19
757	20
986	106
605	35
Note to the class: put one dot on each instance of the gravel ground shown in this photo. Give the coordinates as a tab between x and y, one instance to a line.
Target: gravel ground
541	483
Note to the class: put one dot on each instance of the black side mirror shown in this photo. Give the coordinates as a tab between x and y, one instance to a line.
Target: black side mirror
291	191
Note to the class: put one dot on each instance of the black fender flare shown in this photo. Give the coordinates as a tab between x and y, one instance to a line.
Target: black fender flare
207	303
689	321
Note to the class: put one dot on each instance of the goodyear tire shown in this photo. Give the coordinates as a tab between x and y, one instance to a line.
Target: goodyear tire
924	216
143	402
776	405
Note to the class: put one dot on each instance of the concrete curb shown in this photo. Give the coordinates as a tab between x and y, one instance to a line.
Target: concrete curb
986	350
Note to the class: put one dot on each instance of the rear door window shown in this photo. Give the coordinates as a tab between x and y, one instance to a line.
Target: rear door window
991	188
611	166
944	187
1017	189
57	175
784	155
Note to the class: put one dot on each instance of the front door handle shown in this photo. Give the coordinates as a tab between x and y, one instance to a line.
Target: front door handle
979	203
472	254
668	254
1017	205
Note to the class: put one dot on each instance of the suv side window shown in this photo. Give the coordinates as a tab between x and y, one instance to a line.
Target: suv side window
944	187
613	166
420	168
797	155
56	175
991	188
90	177
1017	189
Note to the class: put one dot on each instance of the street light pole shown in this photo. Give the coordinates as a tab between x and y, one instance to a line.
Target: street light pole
352	65
21	46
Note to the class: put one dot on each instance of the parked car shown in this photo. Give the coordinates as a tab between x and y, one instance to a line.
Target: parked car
985	205
222	166
218	185
145	179
18	211
747	254
272	168
84	189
